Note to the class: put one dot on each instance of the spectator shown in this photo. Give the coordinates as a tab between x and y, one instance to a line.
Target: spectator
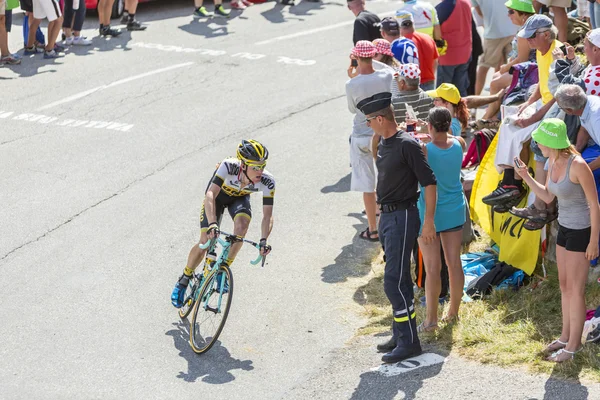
51	10
595	14
73	23
104	13
366	24
541	35
455	19
389	29
410	93
448	96
427	50
128	17
405	51
559	9
571	182
366	84
40	40
444	154
401	167
519	11
498	33
5	56
201	12
426	17
384	58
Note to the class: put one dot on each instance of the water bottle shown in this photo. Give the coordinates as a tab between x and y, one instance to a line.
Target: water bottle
209	261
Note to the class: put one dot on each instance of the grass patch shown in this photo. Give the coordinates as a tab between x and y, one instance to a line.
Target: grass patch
509	328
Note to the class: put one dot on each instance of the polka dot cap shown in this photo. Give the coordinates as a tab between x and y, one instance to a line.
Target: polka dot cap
592	80
410	71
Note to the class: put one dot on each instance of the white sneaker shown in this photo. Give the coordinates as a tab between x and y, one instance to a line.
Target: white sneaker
69	41
81	41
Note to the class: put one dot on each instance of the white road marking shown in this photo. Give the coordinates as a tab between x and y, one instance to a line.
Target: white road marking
424	360
113	84
316	30
73	123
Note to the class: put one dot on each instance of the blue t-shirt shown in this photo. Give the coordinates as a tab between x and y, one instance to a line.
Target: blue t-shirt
450	208
456	127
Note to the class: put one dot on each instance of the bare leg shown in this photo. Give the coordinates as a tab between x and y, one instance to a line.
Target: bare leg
196	253
480	82
540	176
3	37
131	6
198	3
371	210
451	242
498	83
32	29
53	32
433	282
480	101
562	22
105	11
561	260
240	228
577	268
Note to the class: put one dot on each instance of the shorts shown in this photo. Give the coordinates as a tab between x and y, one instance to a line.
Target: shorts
455	229
557	3
2	7
573	239
26	5
363	166
237	206
495	52
46	9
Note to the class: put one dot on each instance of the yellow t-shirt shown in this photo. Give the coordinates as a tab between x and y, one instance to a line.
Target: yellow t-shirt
544	61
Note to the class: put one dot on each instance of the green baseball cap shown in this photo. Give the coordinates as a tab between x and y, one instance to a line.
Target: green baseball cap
552	133
521	5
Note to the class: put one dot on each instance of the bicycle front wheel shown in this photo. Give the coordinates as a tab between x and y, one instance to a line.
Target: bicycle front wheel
188	303
211	310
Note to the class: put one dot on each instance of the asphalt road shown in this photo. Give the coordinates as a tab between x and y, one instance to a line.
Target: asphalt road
104	157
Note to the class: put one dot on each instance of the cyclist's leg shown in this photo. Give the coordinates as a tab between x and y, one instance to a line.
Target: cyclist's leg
241	213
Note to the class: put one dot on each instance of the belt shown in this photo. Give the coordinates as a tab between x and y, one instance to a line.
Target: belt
403	205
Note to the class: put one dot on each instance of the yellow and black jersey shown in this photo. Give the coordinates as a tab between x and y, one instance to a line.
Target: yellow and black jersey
228	177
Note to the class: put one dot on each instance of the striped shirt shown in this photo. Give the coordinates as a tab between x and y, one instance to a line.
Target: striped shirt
418	99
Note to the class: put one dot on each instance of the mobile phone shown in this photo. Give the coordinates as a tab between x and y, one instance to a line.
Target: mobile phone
411	128
518	162
564	49
354	63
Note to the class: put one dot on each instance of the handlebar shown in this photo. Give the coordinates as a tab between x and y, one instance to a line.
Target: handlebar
230	238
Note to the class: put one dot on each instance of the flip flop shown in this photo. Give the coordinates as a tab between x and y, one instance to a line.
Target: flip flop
555	356
554	346
422	328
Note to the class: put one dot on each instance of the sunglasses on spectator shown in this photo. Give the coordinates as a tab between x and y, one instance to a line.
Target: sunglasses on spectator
372	118
536	33
511	11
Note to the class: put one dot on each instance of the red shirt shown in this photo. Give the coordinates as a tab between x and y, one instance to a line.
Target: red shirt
456	30
427	54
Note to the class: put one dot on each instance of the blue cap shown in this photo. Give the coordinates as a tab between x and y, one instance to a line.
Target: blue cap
535	22
405	51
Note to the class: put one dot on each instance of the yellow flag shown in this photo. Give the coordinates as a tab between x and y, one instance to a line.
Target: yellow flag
518	246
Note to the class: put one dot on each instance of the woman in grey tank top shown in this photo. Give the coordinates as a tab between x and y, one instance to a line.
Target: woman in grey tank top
571	182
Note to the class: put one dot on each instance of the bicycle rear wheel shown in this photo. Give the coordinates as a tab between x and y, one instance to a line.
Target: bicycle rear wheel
211	310
189	299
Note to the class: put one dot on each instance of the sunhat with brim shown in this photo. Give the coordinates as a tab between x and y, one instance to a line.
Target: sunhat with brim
382	46
446	91
525	6
552	133
364	49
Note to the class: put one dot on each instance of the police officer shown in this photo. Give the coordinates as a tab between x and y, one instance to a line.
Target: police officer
401	166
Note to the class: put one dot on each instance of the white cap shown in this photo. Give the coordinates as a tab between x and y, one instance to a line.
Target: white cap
594	37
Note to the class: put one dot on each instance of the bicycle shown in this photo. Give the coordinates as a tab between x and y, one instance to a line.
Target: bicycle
211	291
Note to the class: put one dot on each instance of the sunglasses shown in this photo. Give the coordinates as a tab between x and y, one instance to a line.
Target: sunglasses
257	167
511	11
536	33
369	119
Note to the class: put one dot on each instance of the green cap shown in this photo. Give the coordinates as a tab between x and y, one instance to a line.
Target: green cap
521	5
552	133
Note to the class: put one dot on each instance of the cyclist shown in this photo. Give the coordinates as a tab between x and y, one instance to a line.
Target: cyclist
230	187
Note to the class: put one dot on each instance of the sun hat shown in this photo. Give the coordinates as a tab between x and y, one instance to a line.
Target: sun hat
446	91
535	22
364	49
382	46
525	6
405	51
552	133
409	71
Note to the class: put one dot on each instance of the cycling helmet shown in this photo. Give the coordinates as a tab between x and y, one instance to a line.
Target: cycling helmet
252	152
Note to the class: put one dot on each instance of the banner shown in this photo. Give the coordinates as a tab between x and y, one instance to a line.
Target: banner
518	246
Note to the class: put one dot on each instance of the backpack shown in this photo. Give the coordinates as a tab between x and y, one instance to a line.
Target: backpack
524	76
478	147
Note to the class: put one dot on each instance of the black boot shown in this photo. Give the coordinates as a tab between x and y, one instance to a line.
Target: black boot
390	345
402	350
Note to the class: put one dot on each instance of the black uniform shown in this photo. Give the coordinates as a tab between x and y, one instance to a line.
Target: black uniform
401	166
366	27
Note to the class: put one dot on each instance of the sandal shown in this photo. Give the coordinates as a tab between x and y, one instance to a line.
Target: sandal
450	319
422	328
537	224
368	235
555	346
562	355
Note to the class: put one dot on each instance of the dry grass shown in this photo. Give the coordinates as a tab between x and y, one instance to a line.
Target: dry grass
509	328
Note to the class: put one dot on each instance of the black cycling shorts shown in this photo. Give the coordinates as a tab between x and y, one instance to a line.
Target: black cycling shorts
237	206
573	239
